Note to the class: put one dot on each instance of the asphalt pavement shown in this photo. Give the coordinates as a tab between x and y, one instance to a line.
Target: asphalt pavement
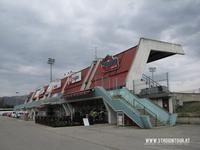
26	135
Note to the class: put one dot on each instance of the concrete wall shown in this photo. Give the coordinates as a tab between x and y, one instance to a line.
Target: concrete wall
180	98
188	120
159	102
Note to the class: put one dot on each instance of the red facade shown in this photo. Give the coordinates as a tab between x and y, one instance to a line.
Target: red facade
110	73
115	78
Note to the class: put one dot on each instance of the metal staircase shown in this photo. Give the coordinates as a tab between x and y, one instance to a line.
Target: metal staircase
120	105
157	114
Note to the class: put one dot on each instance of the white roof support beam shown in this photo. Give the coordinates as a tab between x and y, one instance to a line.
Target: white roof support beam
142	55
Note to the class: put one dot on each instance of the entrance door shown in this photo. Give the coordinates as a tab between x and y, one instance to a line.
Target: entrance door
165	104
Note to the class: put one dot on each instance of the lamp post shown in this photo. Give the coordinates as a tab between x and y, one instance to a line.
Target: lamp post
51	61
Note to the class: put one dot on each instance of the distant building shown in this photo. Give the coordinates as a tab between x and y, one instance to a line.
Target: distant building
181	98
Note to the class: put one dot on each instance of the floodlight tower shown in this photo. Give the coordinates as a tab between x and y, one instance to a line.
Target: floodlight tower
51	61
152	70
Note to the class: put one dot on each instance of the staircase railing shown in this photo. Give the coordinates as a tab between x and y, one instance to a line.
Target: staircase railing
146	110
100	91
161	114
150	80
133	102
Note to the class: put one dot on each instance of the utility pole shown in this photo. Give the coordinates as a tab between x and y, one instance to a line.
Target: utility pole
51	61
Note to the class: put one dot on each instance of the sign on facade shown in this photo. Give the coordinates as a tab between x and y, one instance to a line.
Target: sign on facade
54	85
110	63
76	77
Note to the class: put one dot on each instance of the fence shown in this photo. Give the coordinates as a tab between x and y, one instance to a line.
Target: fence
147	85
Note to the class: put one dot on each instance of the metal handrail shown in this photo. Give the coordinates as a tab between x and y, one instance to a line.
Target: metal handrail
159	107
150	79
150	110
153	103
128	103
155	115
145	108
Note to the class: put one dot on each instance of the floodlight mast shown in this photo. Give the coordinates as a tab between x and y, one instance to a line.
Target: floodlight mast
51	61
152	70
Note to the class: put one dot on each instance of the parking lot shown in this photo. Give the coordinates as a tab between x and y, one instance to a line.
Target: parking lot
17	134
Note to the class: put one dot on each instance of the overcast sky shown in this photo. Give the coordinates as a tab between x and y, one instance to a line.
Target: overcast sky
68	30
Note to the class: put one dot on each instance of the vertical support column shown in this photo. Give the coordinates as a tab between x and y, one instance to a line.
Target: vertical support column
167	81
67	111
170	105
112	115
71	110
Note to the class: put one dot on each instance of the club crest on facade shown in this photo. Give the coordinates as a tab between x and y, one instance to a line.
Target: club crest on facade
110	63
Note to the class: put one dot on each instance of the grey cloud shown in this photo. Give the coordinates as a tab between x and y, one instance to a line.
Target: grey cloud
30	32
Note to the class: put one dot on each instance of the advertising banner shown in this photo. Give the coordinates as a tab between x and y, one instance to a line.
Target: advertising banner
54	85
76	77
